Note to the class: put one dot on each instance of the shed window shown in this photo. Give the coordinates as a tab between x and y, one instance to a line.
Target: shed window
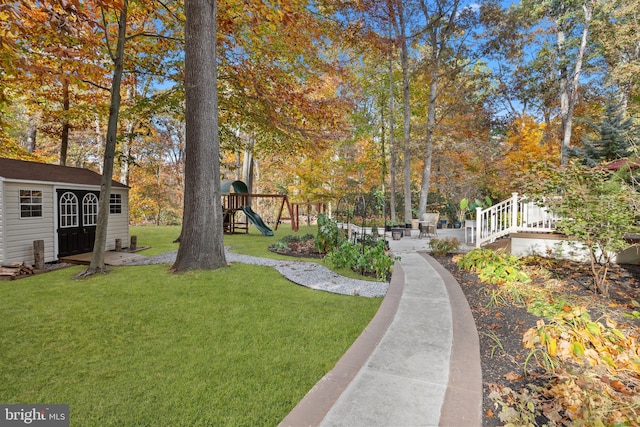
115	203
68	210
90	209
30	203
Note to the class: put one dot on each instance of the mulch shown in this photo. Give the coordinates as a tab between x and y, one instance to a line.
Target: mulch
500	328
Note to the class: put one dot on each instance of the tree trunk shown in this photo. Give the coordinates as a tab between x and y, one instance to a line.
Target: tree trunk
97	258
98	134
392	148
247	164
569	84
439	30
64	142
202	244
127	141
428	140
32	133
406	124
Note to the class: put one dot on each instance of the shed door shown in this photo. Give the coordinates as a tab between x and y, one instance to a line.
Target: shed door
77	219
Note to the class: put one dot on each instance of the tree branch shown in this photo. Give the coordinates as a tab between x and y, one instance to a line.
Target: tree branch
153	35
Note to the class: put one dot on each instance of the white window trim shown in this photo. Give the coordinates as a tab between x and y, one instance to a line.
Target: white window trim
93	213
64	214
118	202
31	203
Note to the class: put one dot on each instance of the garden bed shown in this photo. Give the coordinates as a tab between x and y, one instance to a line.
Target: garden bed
502	322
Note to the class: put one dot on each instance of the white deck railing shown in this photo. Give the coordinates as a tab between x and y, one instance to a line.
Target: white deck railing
512	216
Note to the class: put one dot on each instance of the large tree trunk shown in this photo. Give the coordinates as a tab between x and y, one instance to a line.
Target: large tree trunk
97	258
202	244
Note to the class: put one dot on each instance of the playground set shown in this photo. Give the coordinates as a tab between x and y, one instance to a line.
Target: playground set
240	200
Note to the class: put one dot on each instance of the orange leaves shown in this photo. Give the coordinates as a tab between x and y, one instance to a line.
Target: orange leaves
512	376
525	146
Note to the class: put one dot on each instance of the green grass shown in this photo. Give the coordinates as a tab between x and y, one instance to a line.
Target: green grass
239	346
254	243
160	239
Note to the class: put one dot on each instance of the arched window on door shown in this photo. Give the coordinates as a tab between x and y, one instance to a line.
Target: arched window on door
90	209
68	210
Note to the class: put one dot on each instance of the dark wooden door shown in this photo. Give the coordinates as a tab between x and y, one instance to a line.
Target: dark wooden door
77	217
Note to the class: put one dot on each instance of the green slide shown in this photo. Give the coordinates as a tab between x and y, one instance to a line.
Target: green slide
257	221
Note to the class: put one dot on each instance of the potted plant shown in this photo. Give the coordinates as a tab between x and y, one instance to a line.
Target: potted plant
468	210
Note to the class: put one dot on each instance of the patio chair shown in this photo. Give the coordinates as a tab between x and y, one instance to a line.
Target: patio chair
428	224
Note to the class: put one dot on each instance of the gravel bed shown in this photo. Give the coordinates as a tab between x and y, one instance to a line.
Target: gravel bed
307	274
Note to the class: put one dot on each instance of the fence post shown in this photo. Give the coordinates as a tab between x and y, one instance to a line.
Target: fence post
514	212
479	225
118	245
134	244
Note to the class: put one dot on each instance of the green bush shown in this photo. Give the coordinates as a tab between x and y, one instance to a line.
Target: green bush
328	236
371	260
441	247
344	256
494	266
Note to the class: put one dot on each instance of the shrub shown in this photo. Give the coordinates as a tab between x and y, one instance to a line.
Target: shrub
441	247
328	236
595	207
494	266
296	238
343	256
371	260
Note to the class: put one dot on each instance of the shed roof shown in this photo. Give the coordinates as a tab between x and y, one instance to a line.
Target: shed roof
632	163
32	171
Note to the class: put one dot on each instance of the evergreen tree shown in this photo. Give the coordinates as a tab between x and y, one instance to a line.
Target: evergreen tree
614	139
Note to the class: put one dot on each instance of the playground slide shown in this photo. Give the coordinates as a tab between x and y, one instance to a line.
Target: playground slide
257	221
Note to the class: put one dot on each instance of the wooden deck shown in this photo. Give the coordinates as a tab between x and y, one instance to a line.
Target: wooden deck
110	258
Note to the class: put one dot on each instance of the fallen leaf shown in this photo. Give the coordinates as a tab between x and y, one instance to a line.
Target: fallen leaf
512	376
619	387
495	326
489	413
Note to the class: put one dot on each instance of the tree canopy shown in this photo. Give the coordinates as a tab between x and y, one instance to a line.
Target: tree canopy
427	101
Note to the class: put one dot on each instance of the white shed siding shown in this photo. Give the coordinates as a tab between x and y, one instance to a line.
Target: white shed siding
118	227
19	233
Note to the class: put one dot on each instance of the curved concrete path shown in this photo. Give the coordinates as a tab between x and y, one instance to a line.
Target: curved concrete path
417	363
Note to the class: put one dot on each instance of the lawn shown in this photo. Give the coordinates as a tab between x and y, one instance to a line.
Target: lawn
253	243
140	346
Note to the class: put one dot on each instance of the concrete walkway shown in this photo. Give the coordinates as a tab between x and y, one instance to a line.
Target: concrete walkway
416	364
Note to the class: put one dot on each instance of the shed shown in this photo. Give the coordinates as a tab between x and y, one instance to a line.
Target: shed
57	204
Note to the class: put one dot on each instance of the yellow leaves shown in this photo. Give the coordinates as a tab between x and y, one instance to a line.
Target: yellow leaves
574	336
552	346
